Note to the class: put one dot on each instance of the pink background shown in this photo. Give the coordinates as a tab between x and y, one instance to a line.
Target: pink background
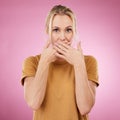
22	34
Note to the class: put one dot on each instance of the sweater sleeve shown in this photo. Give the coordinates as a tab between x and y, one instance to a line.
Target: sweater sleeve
92	69
29	68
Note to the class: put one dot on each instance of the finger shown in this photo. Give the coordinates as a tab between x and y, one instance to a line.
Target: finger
60	55
79	45
63	44
47	44
60	46
68	43
59	50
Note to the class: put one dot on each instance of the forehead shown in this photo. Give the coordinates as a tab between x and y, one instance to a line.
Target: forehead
62	21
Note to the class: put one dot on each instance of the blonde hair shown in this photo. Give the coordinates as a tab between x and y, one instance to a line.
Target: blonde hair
59	10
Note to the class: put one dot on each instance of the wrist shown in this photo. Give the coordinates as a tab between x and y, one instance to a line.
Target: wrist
77	66
44	62
81	64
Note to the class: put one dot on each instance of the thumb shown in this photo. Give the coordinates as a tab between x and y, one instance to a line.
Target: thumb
79	45
47	44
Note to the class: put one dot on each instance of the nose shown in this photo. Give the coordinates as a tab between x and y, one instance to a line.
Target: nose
62	36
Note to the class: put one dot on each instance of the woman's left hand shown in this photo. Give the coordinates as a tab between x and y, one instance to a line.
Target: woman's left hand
70	54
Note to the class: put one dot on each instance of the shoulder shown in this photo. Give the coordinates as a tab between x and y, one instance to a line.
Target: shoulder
90	59
32	59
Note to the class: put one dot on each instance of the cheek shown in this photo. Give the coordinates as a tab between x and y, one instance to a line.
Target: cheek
70	37
54	38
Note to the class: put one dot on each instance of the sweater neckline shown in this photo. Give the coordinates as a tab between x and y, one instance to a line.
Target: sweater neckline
60	62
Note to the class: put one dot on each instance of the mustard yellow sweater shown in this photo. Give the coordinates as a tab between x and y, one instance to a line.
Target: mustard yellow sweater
60	101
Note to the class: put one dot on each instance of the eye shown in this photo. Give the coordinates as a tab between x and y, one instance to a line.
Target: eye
55	30
68	30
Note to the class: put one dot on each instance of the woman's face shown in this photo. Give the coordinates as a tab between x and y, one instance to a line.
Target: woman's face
62	29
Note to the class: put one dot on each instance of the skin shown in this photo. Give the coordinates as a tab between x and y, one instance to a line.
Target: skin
61	39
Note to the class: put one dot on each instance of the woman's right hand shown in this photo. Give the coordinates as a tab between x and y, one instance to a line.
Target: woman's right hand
48	53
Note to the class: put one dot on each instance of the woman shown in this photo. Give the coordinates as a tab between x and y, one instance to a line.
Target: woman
60	84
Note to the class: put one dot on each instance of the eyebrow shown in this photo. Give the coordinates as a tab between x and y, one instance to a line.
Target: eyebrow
59	27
